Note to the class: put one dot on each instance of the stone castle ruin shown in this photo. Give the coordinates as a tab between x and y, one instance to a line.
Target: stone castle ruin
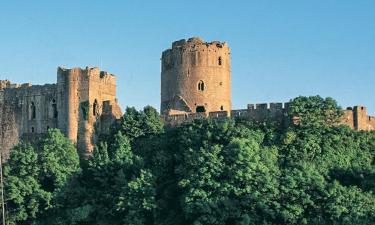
195	83
195	77
355	117
82	100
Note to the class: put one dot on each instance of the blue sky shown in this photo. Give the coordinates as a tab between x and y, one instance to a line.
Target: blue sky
280	49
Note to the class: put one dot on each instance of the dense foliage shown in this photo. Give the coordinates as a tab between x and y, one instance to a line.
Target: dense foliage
208	172
35	176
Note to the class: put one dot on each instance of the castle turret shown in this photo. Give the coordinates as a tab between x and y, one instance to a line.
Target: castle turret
195	77
84	95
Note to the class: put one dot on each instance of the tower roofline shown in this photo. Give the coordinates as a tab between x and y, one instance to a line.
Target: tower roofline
194	40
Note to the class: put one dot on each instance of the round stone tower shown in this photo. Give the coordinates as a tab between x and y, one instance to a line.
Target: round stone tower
195	77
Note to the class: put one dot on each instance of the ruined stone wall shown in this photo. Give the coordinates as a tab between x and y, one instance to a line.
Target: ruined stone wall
9	128
103	106
356	117
87	90
82	101
195	77
26	112
255	112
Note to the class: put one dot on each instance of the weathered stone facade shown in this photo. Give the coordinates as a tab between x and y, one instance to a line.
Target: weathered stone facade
82	100
356	117
195	83
195	77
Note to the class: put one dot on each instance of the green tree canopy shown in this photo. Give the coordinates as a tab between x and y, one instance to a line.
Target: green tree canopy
35	175
219	172
315	111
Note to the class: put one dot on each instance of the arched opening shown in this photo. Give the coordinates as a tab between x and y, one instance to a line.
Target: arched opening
200	109
33	109
32	130
201	85
95	108
219	61
54	108
221	108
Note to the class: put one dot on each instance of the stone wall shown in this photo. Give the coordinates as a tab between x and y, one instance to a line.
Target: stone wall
255	112
355	117
195	77
74	105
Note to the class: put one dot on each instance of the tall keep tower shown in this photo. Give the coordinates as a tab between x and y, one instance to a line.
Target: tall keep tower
195	77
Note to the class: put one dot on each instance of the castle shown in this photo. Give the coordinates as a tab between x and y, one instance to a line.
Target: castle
82	100
195	83
195	77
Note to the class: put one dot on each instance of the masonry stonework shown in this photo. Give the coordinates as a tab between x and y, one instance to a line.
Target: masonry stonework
355	117
195	77
82	100
195	83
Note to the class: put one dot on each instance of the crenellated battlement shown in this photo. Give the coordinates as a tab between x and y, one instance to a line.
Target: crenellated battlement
86	74
196	42
255	112
9	85
269	106
197	53
355	117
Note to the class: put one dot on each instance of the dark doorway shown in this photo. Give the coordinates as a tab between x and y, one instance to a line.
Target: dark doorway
200	109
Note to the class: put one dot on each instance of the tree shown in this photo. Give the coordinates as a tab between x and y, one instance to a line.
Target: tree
25	197
58	160
315	111
114	188
136	124
207	172
35	176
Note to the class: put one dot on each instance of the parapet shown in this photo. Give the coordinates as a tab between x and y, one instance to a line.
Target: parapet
7	84
261	112
195	52
194	42
355	117
4	84
88	73
270	106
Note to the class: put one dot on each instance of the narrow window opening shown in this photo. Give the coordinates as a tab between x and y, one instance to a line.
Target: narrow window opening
32	129
54	108
47	128
200	109
33	109
219	61
221	108
201	85
95	107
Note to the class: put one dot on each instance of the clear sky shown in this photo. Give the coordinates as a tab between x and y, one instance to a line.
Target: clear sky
280	49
